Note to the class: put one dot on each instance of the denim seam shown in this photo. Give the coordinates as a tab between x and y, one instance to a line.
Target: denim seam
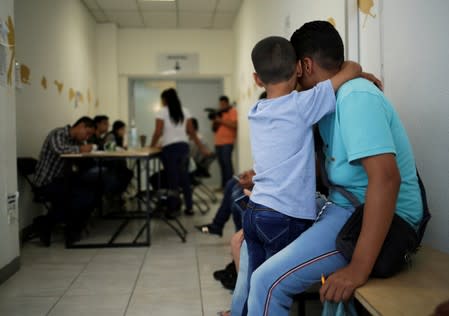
297	268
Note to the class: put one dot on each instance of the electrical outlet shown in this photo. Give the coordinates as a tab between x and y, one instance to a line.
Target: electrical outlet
13	208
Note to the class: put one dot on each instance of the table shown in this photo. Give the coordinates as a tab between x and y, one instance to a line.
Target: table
144	155
415	291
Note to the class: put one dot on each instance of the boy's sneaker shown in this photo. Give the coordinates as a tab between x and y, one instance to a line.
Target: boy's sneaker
222	274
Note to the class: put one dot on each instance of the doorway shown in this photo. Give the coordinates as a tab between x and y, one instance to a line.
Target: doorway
195	94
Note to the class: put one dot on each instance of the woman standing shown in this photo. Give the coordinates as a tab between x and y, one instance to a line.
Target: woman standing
174	125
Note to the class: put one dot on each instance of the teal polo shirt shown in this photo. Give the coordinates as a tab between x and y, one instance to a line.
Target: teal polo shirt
366	124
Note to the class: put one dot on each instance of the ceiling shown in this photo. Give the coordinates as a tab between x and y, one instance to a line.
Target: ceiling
178	14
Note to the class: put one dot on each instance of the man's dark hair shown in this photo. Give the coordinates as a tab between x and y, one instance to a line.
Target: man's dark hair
195	124
319	40
224	98
274	59
87	121
100	118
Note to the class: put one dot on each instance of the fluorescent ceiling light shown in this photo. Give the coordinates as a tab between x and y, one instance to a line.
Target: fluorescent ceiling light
157	0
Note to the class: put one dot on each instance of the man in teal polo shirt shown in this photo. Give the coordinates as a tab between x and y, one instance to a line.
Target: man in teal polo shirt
368	153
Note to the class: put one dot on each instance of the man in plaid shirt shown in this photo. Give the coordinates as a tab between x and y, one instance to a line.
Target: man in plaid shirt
76	207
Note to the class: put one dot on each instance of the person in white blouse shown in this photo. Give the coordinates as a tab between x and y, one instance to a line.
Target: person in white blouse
174	125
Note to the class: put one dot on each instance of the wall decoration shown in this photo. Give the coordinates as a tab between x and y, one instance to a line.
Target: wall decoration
4	61
25	73
331	20
97	103
12	48
44	83
59	86
79	97
72	94
365	7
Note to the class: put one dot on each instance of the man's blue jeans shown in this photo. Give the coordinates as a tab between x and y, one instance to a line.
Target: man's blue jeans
224	156
293	269
232	191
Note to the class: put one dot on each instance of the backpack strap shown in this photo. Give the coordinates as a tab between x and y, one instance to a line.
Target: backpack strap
319	146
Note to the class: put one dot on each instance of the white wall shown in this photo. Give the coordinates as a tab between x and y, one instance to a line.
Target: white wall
55	39
9	235
138	50
256	20
416	51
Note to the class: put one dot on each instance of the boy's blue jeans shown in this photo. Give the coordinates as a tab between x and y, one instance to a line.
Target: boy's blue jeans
267	232
293	269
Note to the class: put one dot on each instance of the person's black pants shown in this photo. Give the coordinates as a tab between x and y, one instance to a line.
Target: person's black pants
175	159
224	155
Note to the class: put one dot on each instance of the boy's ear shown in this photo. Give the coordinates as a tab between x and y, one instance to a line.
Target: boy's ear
259	82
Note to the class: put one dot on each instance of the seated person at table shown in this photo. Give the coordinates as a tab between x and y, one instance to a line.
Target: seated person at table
116	136
202	161
101	128
115	139
72	207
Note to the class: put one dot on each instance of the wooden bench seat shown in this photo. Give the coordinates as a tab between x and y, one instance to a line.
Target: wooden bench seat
415	291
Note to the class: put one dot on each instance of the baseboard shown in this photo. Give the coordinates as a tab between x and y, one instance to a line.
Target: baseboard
7	271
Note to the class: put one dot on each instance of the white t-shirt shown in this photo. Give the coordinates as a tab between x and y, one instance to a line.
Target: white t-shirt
173	133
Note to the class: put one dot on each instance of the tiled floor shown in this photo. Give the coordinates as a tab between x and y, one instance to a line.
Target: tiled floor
168	278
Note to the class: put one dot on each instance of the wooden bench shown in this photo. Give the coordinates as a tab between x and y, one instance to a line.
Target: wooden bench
415	291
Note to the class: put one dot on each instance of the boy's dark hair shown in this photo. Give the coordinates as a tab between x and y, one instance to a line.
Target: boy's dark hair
195	124
320	41
224	98
100	118
87	121
274	59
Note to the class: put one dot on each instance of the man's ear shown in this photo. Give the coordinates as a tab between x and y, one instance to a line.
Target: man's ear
257	80
307	65
298	69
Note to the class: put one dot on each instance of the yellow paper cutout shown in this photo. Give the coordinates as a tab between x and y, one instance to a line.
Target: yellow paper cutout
79	97
365	7
331	20
25	74
59	86
97	103
44	82
72	94
89	97
12	47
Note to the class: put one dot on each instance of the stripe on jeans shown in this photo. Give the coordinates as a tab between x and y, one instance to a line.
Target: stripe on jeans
293	270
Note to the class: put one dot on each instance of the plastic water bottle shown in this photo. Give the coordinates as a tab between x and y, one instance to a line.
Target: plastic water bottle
133	141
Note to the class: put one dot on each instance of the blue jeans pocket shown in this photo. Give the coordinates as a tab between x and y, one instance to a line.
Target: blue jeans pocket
273	230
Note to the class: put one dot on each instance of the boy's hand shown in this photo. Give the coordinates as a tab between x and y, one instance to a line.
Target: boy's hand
373	79
352	66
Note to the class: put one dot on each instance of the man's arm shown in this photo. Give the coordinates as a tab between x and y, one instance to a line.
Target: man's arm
60	146
383	186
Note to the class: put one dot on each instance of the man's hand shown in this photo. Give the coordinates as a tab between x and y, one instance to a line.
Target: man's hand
86	148
377	82
340	286
246	179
